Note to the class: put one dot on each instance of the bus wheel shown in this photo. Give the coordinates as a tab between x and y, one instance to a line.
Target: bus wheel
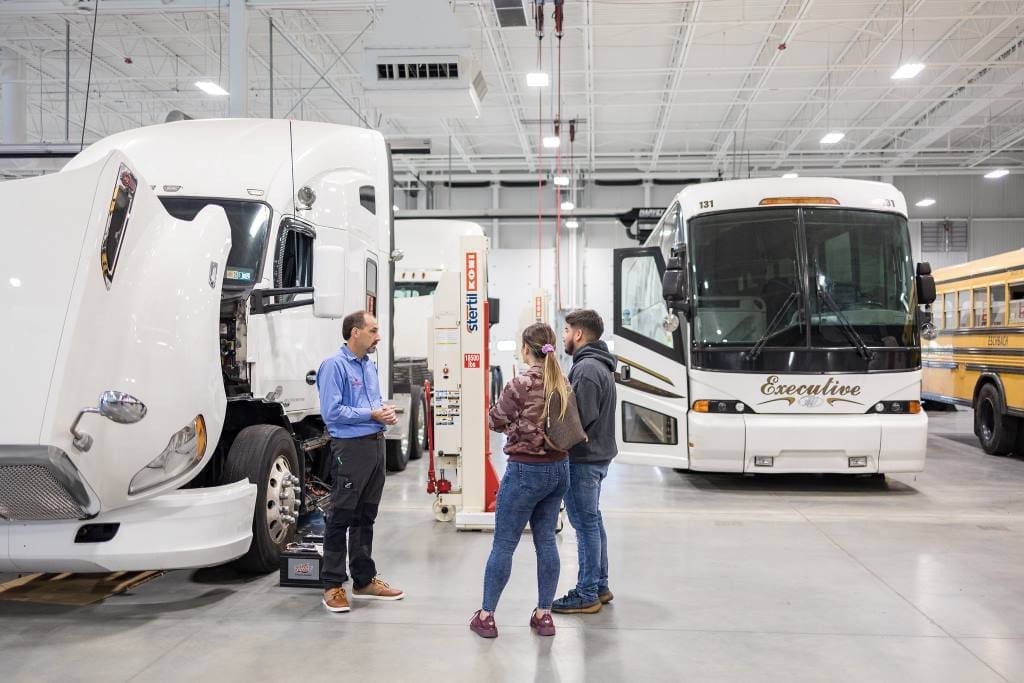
996	432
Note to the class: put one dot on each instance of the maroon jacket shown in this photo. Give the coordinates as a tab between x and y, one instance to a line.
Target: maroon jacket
519	414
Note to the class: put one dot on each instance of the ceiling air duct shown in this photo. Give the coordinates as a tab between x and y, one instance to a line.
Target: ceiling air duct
511	13
418	58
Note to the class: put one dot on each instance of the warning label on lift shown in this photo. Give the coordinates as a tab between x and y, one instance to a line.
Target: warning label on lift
447	407
471	360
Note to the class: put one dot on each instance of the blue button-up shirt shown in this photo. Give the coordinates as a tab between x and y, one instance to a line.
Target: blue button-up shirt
349	392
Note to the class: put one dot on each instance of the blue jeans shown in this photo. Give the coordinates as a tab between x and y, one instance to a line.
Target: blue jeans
528	493
582	504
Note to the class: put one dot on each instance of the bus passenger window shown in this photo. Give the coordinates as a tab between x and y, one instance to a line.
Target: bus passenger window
980	307
949	311
1017	303
997	304
964	299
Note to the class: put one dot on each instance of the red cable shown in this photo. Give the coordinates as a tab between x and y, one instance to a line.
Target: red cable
558	172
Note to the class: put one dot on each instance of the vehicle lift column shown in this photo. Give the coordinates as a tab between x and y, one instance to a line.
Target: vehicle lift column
460	361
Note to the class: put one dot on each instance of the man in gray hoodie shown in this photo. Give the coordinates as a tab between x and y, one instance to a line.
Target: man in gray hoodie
593	382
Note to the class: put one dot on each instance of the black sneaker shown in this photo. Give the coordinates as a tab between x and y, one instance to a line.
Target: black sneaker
572	603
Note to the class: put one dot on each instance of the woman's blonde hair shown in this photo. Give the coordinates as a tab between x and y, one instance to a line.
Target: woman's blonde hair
536	337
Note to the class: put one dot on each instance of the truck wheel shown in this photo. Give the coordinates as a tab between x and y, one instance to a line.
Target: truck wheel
996	432
397	453
265	455
417	423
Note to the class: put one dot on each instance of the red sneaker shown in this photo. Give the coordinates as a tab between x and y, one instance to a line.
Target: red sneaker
485	628
544	626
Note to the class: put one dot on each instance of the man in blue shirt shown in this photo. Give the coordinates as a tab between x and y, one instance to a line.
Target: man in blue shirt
351	406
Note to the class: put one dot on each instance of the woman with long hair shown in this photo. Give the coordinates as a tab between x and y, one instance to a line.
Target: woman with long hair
535	481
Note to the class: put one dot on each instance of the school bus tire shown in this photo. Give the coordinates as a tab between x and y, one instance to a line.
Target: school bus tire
997	432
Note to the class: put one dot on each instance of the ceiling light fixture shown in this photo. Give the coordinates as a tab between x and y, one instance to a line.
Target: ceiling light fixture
562	181
832	138
538	79
211	88
927	201
552	142
572	224
790	175
996	174
907	71
568	206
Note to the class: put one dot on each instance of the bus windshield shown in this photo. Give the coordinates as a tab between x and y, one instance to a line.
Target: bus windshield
802	277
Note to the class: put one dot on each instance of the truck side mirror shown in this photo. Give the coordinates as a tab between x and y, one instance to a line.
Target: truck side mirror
328	281
925	284
675	285
493	311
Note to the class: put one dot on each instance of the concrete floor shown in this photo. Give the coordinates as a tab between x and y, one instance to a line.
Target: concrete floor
716	577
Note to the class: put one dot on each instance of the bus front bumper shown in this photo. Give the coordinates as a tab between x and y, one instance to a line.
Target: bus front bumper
781	444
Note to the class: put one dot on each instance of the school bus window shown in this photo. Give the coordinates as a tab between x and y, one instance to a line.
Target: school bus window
1016	306
949	311
997	304
964	299
980	307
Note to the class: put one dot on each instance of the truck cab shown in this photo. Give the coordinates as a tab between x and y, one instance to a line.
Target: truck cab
181	285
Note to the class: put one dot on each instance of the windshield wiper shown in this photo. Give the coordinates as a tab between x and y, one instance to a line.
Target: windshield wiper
844	323
756	349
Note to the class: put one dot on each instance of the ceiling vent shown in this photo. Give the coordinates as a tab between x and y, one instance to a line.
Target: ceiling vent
418	58
511	13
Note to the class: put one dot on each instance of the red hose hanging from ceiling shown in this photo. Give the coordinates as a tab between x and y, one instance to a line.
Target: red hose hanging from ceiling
559	19
538	14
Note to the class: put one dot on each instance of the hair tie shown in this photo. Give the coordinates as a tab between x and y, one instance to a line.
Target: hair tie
547	348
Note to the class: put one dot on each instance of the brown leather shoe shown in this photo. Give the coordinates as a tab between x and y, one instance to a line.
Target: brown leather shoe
335	600
606	597
377	589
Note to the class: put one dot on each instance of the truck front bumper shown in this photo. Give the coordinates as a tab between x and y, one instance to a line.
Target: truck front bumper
181	529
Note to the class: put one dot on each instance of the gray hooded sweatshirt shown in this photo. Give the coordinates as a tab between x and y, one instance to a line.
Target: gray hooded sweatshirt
593	383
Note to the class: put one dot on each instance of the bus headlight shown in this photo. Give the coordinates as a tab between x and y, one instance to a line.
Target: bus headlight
898	407
184	450
713	406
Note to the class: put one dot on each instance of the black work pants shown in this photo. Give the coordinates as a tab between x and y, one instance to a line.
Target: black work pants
358	467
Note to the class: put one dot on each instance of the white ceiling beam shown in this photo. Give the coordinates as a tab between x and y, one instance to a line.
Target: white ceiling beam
457	146
975	46
766	63
679	55
804	128
963	109
499	53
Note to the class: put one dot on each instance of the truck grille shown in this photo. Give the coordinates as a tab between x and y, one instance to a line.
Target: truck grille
32	492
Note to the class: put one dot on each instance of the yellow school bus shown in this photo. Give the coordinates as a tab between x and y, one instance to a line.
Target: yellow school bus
977	357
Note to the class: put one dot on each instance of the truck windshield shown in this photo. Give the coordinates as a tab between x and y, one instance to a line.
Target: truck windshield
848	268
411	290
249	221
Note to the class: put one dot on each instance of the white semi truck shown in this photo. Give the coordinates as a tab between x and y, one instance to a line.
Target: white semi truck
167	299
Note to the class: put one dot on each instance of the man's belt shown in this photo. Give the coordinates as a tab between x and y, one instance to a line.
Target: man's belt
376	436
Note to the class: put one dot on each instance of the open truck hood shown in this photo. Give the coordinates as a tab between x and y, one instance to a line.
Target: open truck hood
101	289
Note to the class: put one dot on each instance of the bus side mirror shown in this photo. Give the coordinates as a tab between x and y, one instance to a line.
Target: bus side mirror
925	284
675	284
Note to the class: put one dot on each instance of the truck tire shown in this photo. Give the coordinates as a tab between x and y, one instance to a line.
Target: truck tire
417	423
996	432
265	455
396	454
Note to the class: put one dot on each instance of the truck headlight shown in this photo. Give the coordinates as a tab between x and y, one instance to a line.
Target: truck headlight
184	451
